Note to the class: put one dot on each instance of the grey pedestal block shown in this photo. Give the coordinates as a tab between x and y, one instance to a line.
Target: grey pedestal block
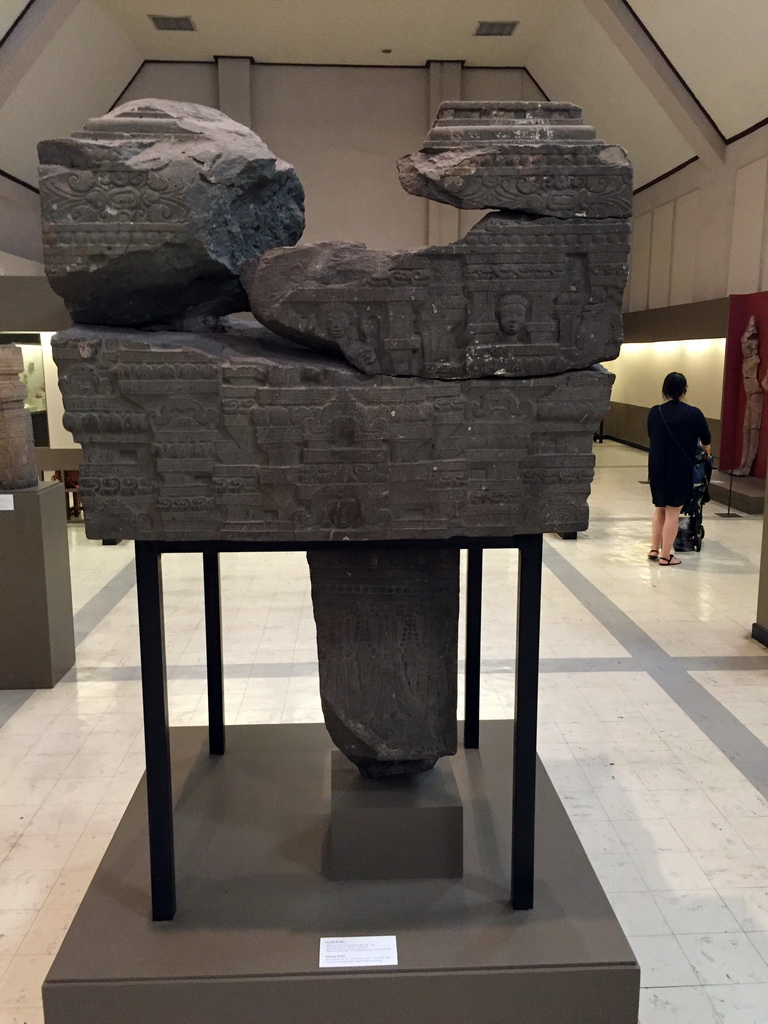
37	635
410	826
254	903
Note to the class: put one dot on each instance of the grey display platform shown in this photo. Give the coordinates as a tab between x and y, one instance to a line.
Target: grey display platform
747	493
37	633
254	903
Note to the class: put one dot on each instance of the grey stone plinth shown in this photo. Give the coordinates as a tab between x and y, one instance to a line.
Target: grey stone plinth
243	436
37	636
254	903
410	827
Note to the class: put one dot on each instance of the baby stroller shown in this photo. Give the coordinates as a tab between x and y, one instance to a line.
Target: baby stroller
690	531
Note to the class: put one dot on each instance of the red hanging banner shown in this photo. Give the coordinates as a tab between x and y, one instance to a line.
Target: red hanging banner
745	372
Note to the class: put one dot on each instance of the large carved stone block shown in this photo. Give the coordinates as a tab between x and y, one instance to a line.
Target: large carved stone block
522	156
516	297
150	213
243	436
387	639
18	466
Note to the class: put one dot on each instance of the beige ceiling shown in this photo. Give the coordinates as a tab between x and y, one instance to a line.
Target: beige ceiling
721	51
9	12
336	31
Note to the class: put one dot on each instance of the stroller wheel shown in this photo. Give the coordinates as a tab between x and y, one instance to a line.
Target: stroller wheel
698	543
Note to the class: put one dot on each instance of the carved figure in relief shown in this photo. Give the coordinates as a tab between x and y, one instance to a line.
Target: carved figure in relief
755	389
512	312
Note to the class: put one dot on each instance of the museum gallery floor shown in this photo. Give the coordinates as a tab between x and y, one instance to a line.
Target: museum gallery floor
645	684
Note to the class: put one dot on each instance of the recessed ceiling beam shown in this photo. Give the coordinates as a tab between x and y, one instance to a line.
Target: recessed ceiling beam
660	78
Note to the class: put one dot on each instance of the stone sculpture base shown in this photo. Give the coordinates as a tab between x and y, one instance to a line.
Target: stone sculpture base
254	904
245	436
745	493
387	643
411	827
37	636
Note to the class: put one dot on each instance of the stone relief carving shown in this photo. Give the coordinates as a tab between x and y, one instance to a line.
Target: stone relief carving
447	311
525	157
150	212
278	457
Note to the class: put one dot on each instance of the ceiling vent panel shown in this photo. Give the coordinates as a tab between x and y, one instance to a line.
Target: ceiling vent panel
168	23
496	28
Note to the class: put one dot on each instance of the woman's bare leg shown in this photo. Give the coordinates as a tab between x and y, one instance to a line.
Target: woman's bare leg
669	530
657	525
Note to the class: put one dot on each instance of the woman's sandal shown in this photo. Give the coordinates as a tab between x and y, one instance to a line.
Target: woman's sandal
670	561
653	554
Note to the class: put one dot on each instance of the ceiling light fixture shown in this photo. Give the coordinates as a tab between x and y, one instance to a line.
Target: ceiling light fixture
171	23
496	28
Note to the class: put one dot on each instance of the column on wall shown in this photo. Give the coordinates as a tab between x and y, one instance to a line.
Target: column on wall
444	84
234	82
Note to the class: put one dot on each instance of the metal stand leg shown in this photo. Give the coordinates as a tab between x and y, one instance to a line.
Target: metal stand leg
526	699
212	591
156	731
472	649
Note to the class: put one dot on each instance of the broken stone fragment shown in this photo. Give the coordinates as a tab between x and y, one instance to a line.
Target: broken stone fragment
521	156
518	296
387	642
151	211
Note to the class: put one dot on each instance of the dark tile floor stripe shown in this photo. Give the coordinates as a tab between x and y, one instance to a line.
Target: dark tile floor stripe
742	748
104	601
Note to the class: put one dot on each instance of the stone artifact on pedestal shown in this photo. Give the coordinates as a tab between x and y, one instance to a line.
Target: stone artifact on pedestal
37	637
18	466
755	389
467	411
151	211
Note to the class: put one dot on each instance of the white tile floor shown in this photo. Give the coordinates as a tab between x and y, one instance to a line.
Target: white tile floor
650	687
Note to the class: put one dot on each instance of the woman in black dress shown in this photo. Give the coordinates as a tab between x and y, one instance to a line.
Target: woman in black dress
674	429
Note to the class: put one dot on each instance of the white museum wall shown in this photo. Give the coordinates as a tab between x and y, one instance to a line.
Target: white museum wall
186	81
343	129
82	87
702	233
641	368
20	228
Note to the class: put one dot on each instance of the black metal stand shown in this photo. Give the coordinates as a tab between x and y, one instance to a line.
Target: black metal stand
472	648
154	687
213	653
526	709
155	690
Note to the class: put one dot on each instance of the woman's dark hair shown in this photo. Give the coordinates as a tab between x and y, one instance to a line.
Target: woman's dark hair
674	387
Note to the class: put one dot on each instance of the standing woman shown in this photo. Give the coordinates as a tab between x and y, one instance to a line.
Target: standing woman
674	429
